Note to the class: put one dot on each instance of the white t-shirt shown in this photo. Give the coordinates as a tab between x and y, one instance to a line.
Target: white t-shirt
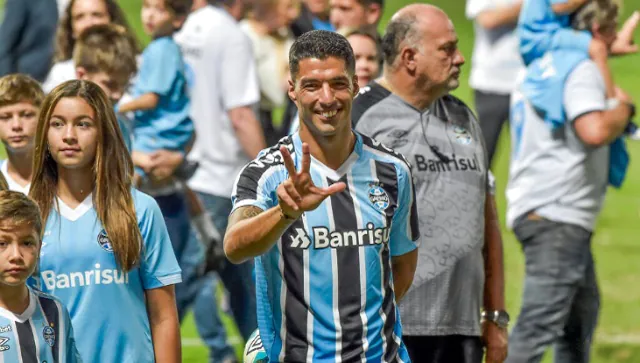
221	59
13	185
496	59
60	72
271	55
555	173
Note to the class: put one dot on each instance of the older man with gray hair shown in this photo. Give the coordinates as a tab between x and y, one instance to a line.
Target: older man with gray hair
565	151
460	269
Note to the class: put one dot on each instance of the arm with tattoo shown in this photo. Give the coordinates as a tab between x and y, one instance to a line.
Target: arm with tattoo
252	232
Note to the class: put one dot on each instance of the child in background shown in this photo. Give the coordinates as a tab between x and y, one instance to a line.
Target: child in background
23	310
106	56
161	102
544	25
20	100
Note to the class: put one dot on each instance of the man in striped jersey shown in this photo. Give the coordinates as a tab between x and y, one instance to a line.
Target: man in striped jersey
330	216
34	327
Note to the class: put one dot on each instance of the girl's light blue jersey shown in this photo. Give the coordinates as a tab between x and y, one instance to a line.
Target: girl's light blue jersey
107	306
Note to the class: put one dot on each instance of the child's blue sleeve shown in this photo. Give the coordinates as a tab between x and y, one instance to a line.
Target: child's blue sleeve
159	266
161	64
567	38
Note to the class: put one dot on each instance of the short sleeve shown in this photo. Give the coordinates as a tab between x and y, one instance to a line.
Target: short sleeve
159	266
475	7
404	228
238	74
161	64
584	91
257	183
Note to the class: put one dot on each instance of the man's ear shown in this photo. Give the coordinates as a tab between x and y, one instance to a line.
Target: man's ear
356	86
81	73
408	58
292	90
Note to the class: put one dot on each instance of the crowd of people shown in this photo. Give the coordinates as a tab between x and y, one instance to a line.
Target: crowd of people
360	227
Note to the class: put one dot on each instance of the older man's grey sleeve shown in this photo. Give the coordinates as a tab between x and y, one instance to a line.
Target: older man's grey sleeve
584	91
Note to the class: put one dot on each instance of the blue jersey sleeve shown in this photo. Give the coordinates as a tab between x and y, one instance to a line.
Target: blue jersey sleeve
404	228
258	181
161	65
71	351
159	266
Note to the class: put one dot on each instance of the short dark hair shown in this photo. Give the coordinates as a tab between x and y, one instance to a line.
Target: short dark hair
179	7
369	2
398	30
320	44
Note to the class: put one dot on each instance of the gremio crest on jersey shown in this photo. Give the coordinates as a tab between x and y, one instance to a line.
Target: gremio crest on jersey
49	335
104	241
378	197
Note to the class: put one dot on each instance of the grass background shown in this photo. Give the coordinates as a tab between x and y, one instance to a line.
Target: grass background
616	242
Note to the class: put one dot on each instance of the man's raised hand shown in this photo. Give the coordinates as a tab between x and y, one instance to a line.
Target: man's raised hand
298	194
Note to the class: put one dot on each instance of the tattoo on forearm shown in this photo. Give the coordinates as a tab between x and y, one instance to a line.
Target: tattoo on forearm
250	212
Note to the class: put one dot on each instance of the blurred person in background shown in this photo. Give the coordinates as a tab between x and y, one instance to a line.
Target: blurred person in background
80	15
26	37
563	135
460	274
224	94
314	15
267	25
495	63
20	100
356	14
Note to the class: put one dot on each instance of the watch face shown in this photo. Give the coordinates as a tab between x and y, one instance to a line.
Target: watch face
502	318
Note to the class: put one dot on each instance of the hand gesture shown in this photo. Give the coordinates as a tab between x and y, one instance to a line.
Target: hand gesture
624	41
298	194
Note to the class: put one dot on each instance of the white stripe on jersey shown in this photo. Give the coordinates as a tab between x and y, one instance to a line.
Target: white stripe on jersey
334	269
307	296
283	302
62	331
363	268
18	348
374	177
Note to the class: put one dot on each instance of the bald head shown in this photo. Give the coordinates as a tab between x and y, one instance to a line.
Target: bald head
409	25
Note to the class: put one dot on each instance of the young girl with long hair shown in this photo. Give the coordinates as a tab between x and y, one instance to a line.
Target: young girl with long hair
106	252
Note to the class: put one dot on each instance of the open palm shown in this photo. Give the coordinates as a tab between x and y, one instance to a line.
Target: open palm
298	194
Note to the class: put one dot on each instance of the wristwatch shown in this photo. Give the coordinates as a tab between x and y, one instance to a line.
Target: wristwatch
498	317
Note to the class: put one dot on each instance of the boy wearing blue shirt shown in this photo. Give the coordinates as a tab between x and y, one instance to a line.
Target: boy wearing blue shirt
106	56
34	327
161	102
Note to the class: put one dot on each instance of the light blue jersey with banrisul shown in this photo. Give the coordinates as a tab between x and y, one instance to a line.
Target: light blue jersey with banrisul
42	333
325	290
107	306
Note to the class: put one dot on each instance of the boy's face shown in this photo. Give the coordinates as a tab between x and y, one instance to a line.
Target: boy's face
155	15
19	250
110	85
18	124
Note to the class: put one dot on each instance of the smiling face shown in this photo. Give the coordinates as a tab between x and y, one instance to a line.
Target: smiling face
323	90
72	134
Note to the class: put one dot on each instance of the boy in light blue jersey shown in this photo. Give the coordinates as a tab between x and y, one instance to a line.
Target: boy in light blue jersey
105	54
544	25
161	100
34	327
330	217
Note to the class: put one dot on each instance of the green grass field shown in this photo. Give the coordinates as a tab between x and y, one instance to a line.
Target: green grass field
616	242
